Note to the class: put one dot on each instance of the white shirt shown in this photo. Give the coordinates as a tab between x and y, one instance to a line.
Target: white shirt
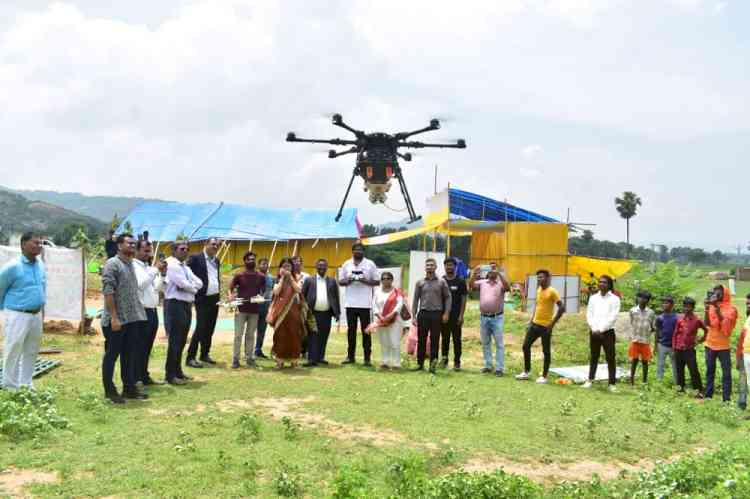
321	294
213	275
358	294
150	282
602	311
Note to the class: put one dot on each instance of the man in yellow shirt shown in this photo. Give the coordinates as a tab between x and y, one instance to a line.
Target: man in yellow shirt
542	323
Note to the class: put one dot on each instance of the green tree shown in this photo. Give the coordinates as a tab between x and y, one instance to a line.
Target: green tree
627	206
115	223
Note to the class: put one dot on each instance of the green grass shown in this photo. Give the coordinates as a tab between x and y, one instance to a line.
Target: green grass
180	443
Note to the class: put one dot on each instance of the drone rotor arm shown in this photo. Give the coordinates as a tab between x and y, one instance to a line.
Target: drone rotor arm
460	144
335	154
335	142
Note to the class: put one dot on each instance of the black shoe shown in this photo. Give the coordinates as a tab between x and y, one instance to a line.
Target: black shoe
135	394
349	361
250	363
444	362
324	362
151	381
208	360
433	366
367	363
499	373
457	367
418	368
235	364
115	398
184	377
177	381
193	363
309	364
485	370
261	355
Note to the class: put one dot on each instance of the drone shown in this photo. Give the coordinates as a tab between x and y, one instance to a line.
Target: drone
377	159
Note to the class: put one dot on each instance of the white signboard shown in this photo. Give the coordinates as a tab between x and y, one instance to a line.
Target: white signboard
64	280
416	267
568	287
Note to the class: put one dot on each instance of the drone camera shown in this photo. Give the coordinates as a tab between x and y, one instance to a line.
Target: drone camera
434	123
291	137
407	156
461	143
331	153
337	119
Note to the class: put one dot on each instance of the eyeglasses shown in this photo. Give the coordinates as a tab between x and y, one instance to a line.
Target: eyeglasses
386	278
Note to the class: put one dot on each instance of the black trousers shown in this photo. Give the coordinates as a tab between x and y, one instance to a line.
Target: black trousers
177	318
119	344
605	340
428	322
146	335
725	359
451	330
363	315
206	313
260	336
687	358
534	332
317	342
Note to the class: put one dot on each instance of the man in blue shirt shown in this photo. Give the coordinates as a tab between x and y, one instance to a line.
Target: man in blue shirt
665	324
23	293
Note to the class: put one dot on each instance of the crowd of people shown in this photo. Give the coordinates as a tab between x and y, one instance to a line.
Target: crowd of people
301	309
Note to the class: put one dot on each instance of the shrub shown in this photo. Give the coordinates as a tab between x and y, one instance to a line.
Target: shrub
250	426
29	414
350	483
287	482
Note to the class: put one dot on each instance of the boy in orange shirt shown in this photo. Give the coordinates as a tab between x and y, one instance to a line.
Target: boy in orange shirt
720	318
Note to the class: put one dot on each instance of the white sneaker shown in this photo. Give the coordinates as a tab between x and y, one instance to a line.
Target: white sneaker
541	380
612	388
523	376
587	384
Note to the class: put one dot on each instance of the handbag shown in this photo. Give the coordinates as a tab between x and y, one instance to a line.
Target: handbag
405	312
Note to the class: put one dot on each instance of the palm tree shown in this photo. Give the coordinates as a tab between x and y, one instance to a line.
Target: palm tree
627	206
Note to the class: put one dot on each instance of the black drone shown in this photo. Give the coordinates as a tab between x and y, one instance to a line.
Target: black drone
377	159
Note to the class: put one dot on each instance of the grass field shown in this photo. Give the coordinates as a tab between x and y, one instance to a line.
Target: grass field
353	431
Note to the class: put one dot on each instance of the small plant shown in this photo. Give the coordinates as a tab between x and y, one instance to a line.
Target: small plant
593	422
473	410
291	428
567	406
407	475
287	482
93	403
351	483
185	442
250	427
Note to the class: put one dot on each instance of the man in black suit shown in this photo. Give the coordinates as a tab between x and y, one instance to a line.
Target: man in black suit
322	296
207	268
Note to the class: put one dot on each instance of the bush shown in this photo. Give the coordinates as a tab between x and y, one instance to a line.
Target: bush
29	414
660	280
288	482
496	485
351	483
250	426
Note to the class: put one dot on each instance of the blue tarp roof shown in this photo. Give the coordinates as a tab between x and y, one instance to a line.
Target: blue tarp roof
165	221
476	207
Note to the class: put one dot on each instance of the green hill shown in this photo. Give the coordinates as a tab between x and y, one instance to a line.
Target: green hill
100	207
19	214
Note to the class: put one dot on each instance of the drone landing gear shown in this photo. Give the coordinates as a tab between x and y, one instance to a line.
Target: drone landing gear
343	202
407	199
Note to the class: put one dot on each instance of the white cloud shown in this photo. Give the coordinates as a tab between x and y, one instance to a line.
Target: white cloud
532	151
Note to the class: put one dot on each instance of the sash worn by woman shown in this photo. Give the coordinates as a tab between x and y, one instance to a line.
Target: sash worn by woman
285	316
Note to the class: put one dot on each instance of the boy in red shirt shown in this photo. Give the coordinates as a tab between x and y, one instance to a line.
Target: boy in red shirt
683	344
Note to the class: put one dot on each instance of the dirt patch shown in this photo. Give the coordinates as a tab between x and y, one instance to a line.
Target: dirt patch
549	473
13	480
279	408
59	327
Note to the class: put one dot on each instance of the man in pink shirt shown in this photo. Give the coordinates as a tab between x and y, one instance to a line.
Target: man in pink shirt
491	301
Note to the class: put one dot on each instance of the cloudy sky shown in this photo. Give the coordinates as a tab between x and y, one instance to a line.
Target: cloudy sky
563	103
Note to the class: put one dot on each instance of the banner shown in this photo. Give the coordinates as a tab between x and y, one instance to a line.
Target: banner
64	280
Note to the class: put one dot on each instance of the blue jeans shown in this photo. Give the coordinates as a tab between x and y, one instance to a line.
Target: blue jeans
724	357
489	328
663	352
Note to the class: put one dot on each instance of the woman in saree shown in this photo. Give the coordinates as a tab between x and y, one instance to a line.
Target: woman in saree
285	316
387	304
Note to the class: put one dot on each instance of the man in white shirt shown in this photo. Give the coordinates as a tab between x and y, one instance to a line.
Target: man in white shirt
359	276
601	315
150	282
